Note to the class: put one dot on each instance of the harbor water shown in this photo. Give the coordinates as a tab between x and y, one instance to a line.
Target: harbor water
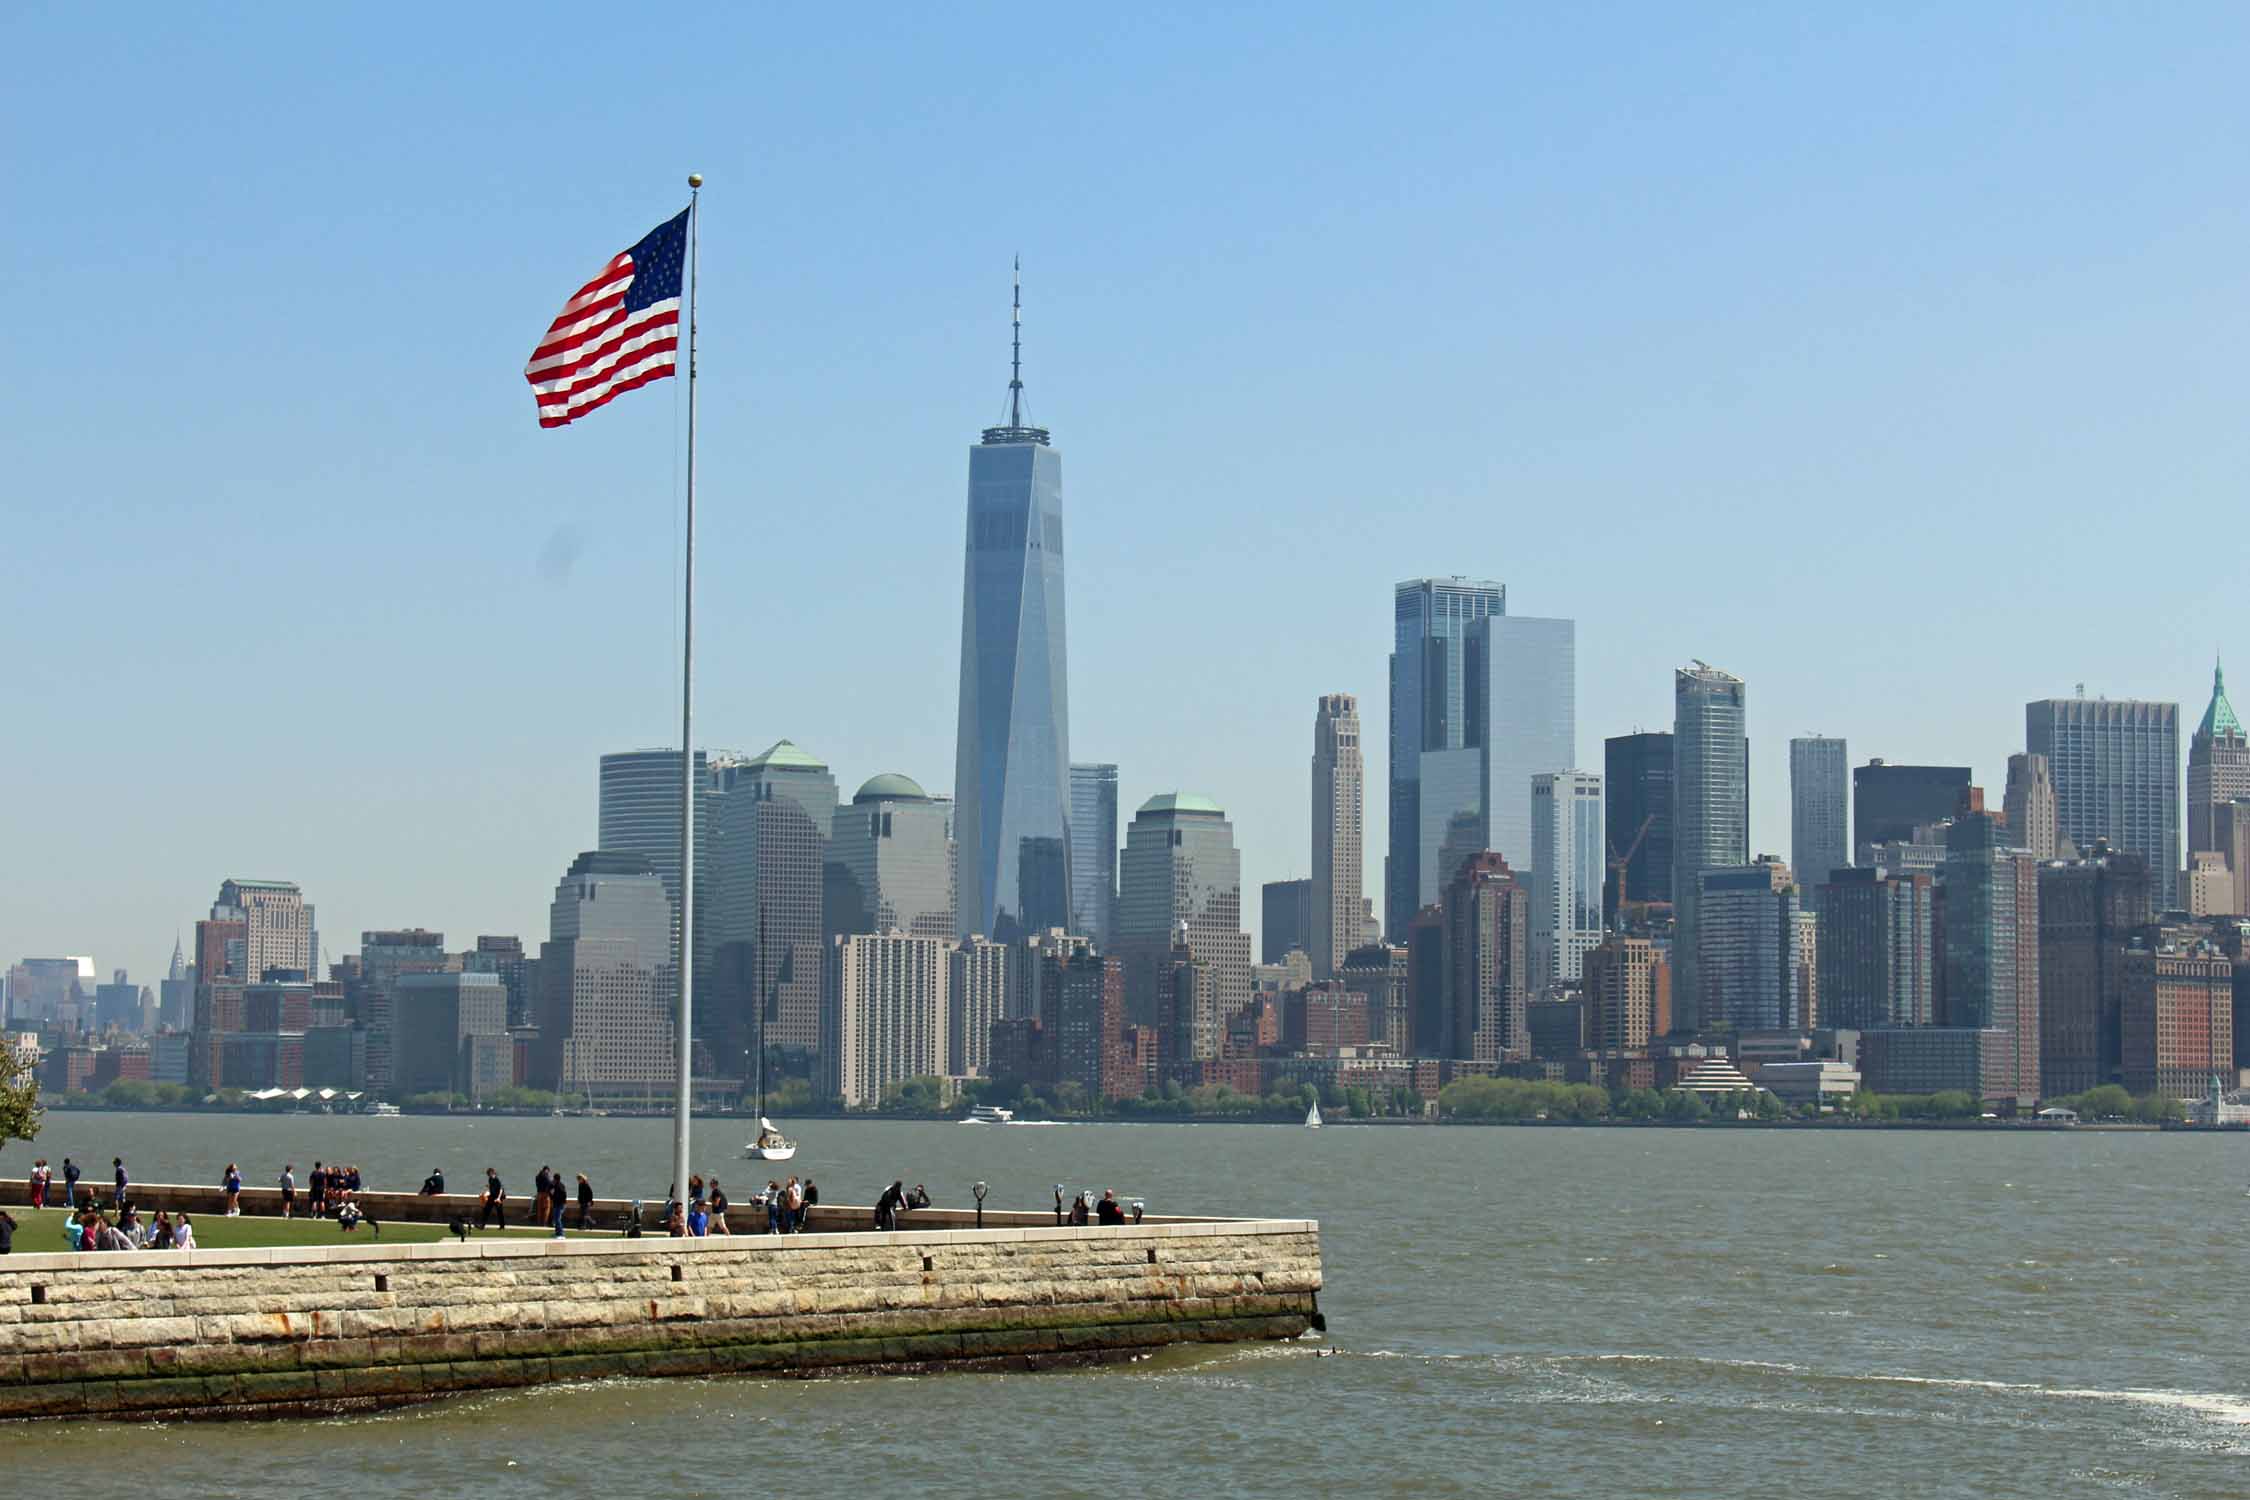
1530	1311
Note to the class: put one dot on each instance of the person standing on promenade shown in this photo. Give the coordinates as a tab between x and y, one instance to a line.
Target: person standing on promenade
1109	1210
495	1208
698	1219
39	1175
812	1198
585	1202
886	1207
316	1191
70	1176
231	1185
792	1205
557	1202
124	1183
539	1185
718	1203
289	1190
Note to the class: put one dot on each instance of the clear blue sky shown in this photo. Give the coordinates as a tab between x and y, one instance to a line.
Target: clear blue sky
1893	361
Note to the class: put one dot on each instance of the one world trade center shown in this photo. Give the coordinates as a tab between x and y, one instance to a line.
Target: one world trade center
1011	769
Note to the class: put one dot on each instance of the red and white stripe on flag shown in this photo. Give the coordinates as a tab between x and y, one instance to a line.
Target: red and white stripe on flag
606	340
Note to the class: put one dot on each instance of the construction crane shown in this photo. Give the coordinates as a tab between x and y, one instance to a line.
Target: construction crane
1618	862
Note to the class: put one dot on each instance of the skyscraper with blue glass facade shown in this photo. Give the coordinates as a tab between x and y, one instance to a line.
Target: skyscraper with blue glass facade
1436	771
1011	772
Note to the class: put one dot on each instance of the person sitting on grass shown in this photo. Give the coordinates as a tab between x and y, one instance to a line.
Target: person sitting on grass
160	1231
183	1233
347	1214
7	1233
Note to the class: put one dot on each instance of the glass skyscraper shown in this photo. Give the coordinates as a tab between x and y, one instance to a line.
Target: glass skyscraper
2116	764
1710	816
1522	712
1011	771
1819	775
1430	718
1093	853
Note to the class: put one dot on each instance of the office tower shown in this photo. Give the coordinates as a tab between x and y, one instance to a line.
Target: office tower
2230	835
639	813
519	973
767	928
1189	1028
1710	812
1819	774
2218	765
277	928
889	866
1628	990
117	1004
1011	788
1429	1017
1179	867
1637	778
1750	952
53	991
1890	802
1487	957
1523	708
1566	874
1429	728
889	1018
386	956
2207	886
1034	972
435	1021
1382	974
1992	944
175	1008
2177	1015
2088	909
2116	764
1285	917
1877	955
2030	805
1938	1059
606	984
1093	853
976	995
1338	819
1089	1027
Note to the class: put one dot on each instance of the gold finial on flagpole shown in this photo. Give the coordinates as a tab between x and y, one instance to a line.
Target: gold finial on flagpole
695	179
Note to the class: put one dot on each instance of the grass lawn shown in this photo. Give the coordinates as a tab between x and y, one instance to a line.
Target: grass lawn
40	1231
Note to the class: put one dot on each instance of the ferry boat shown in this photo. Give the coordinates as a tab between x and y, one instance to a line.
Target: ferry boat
990	1114
383	1111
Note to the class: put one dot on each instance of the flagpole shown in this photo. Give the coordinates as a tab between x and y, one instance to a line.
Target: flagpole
687	736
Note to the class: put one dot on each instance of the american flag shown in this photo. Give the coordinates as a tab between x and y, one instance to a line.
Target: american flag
617	332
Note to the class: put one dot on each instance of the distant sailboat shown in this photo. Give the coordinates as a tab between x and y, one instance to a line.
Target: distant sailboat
1312	1117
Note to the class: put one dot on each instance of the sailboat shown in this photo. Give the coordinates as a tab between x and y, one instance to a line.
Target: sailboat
1312	1116
769	1144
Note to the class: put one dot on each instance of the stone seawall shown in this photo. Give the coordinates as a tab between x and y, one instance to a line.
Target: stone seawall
217	1333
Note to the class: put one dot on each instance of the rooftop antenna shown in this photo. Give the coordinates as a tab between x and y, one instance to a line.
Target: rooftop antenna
1015	364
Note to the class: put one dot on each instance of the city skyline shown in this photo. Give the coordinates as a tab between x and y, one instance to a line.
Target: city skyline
1733	396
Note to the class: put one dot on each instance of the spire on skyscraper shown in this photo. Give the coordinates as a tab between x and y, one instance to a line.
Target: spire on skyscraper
2218	718
179	960
1016	431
